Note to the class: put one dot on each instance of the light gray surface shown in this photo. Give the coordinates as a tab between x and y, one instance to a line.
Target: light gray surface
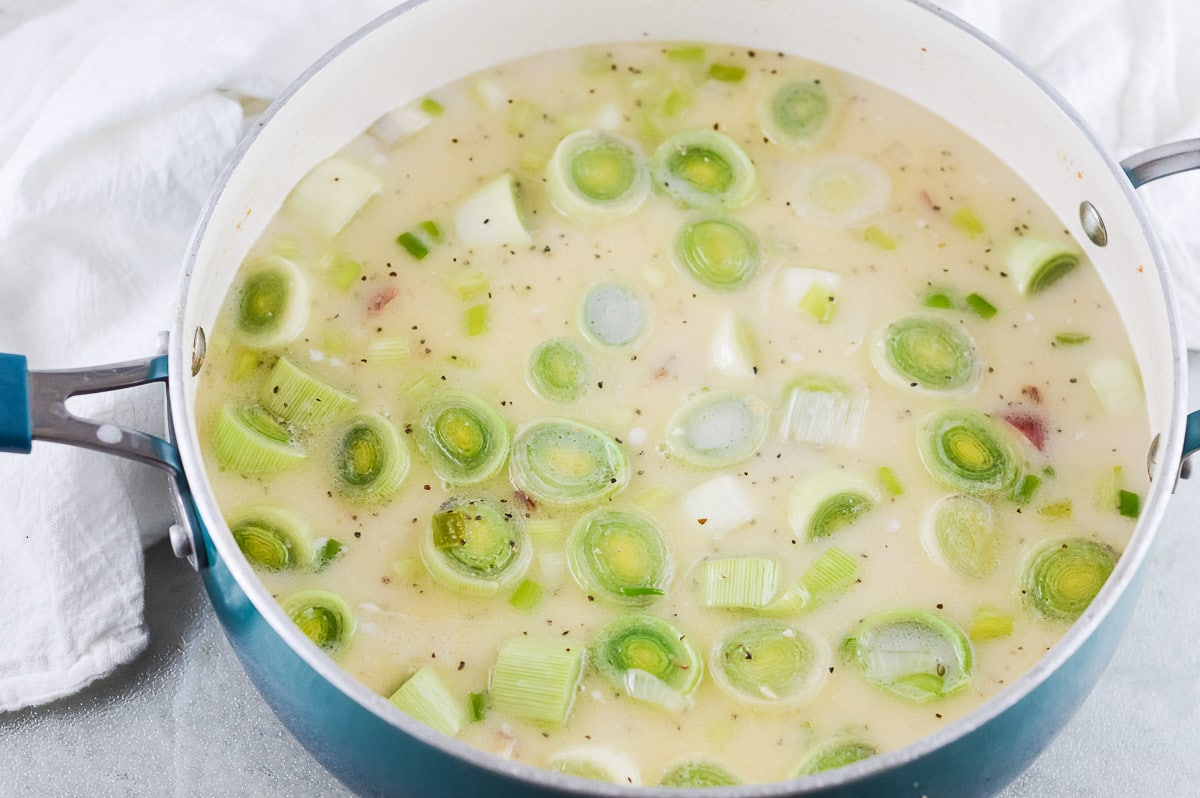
183	720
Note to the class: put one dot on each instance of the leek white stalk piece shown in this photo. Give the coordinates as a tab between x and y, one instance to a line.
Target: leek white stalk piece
968	452
739	582
649	660
621	556
960	533
769	664
928	354
425	697
717	429
272	302
323	616
491	216
841	190
299	397
330	195
399	124
1061	576
912	654
700	773
836	754
717	506
1035	263
537	680
823	410
1117	384
597	176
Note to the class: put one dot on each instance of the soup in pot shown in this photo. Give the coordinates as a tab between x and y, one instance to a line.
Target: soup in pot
674	414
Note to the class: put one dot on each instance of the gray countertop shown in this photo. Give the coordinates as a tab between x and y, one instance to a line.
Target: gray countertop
183	719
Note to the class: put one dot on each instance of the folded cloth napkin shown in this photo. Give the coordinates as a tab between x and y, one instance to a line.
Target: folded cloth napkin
116	117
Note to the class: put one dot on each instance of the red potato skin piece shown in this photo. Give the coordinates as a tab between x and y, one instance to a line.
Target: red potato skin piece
381	299
1031	426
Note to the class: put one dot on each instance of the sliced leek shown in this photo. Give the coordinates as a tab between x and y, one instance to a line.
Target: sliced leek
700	773
720	252
1036	263
649	660
371	460
768	663
464	439
621	556
928	353
734	348
717	429
830	575
597	175
273	538
961	533
833	755
298	397
840	190
825	502
250	441
1117	384
475	547
559	461
597	764
324	617
822	410
425	697
559	370
968	452
614	315
272	302
799	113
537	680
911	654
1061	576
703	169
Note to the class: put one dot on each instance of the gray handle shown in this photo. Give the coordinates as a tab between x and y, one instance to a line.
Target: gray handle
1162	161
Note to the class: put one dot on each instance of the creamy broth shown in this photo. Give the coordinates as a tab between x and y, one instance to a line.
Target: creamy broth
950	214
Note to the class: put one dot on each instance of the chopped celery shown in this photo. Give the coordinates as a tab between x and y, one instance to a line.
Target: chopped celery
389	351
544	531
1129	504
988	623
726	73
245	363
527	597
939	301
1057	510
424	696
1025	488
888	479
982	308
475	320
421	239
1072	338
968	221
431	107
537	680
477	706
877	238
343	273
470	283
686	55
522	116
819	302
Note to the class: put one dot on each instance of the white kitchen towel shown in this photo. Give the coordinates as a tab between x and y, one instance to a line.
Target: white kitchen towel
116	116
115	119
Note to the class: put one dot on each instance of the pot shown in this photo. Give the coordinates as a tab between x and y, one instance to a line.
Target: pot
912	48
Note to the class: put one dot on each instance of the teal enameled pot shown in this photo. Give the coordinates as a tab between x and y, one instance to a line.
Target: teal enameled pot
910	47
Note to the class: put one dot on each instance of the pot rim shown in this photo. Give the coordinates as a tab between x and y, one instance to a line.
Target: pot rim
1128	566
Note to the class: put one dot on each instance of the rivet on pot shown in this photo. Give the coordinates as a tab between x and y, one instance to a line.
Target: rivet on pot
1093	224
199	348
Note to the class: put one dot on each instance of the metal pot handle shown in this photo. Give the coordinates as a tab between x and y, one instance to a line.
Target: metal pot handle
1164	161
33	407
